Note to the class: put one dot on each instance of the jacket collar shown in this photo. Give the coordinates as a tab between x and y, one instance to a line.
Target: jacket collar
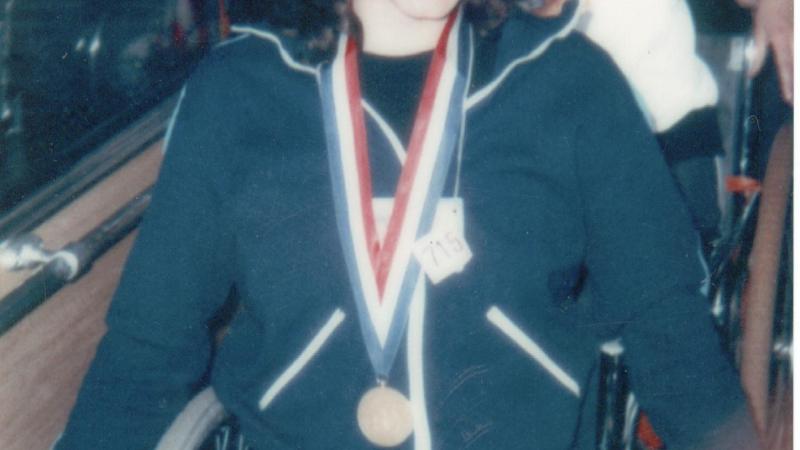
288	49
522	38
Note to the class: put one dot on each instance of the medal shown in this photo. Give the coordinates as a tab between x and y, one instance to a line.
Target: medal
384	274
384	416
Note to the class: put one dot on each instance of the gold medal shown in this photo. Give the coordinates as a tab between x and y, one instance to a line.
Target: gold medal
384	416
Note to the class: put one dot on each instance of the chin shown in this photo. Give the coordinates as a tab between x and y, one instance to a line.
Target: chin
426	9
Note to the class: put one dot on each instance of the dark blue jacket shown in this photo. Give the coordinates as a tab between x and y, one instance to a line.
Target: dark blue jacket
564	189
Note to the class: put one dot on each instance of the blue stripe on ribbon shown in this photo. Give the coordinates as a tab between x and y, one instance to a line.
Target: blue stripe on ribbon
438	178
342	221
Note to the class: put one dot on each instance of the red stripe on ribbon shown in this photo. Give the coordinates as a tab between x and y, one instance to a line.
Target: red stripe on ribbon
362	158
381	255
418	133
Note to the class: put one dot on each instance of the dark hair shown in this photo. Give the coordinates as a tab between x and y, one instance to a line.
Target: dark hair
314	24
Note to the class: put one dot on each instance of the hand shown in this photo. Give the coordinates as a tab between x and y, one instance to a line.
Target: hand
773	26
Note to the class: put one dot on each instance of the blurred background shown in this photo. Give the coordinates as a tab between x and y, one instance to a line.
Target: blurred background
75	72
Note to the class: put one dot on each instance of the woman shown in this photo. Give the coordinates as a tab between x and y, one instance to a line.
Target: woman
409	278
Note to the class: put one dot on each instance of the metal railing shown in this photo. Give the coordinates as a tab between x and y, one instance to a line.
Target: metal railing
61	267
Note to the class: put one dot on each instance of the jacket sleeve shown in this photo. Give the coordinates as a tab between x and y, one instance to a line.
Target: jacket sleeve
645	269
158	344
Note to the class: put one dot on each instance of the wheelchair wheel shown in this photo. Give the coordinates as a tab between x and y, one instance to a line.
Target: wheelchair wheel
197	422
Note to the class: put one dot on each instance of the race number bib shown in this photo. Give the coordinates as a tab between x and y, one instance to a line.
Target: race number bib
444	251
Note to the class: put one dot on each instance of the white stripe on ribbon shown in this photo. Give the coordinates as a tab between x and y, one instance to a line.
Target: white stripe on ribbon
427	165
302	360
502	322
350	176
382	310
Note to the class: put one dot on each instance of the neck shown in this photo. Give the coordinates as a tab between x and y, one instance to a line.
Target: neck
388	31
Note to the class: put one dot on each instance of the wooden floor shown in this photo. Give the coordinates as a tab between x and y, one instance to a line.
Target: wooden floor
44	357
